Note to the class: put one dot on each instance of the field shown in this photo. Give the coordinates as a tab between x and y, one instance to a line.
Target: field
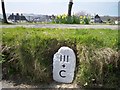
27	53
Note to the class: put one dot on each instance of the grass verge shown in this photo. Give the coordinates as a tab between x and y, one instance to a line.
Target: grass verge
28	52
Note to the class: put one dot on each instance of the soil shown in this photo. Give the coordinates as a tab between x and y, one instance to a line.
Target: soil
11	84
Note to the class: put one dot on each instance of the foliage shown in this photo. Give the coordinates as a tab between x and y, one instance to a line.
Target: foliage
64	19
29	52
86	21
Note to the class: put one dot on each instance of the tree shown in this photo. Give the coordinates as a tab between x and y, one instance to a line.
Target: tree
70	7
3	11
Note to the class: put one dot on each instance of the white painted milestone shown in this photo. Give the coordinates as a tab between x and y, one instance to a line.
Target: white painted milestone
64	62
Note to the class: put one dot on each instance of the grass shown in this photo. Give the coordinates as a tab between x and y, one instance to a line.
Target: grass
90	37
29	52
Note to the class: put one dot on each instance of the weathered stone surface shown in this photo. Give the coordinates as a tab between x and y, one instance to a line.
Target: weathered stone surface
64	62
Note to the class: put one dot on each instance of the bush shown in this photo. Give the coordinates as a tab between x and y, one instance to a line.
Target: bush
86	21
64	19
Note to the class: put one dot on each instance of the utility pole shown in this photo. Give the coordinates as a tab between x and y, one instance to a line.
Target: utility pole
70	7
3	11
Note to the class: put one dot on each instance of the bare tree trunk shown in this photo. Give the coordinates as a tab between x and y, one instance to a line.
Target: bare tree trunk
70	7
3	11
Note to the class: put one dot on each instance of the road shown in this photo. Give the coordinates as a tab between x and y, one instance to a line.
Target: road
70	26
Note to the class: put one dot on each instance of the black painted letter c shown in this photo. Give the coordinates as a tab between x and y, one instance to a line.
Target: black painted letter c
61	74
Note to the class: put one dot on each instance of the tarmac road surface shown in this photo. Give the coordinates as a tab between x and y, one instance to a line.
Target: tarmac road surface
70	26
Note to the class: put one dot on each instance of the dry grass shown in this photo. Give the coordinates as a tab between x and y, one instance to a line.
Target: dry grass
98	67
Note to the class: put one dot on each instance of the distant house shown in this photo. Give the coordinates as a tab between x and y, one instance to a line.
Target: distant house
92	19
43	18
0	20
116	22
17	18
97	19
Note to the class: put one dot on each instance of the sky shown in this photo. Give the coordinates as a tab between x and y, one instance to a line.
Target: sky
56	7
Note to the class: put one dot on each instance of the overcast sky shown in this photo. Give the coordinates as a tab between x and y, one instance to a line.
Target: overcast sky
62	0
60	6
